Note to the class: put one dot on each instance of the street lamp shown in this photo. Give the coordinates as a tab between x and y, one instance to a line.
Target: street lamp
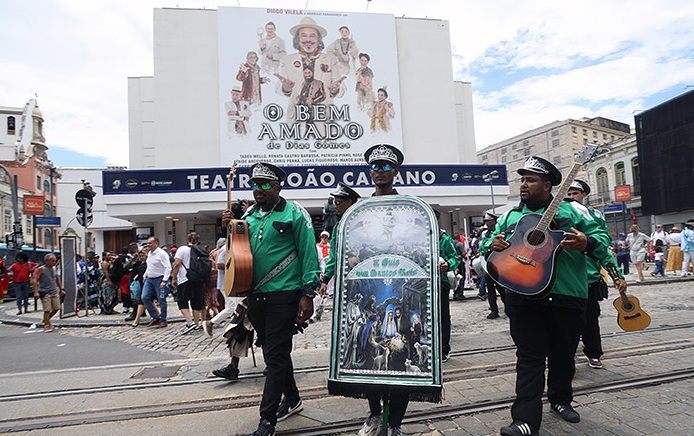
489	178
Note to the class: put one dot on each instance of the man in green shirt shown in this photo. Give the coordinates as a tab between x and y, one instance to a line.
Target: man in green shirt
548	329
597	288
448	261
285	276
344	198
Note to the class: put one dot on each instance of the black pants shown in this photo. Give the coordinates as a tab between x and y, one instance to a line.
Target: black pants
623	261
592	344
491	295
543	333
397	404
272	315
445	317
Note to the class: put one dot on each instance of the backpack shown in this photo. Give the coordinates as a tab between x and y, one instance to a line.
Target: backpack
200	268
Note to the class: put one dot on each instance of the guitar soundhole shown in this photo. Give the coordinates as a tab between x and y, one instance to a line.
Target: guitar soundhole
536	237
628	306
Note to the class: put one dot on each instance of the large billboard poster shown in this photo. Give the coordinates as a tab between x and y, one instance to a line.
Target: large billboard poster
306	88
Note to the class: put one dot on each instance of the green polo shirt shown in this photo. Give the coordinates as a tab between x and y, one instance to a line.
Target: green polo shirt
595	264
283	233
571	276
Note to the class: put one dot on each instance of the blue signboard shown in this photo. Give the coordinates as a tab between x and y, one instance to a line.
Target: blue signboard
215	179
47	221
612	208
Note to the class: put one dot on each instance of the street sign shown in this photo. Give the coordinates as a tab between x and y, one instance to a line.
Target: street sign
622	193
84	197
33	204
47	221
80	217
612	208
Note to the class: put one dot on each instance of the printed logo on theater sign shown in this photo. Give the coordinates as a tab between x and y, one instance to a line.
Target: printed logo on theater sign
306	88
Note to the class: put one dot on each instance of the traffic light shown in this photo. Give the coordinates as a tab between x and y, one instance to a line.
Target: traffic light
85	201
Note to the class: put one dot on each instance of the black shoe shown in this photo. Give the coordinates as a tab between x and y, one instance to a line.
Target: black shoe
228	372
284	410
189	328
566	412
519	428
264	429
482	296
131	317
493	315
445	357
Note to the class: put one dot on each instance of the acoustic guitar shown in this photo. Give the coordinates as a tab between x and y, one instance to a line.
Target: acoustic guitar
630	316
528	265
238	269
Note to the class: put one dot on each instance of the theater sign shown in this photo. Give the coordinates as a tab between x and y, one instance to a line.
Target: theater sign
305	88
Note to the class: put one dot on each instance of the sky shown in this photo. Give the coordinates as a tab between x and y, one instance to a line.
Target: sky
529	63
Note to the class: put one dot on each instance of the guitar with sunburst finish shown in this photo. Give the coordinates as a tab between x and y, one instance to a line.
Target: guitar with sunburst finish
528	265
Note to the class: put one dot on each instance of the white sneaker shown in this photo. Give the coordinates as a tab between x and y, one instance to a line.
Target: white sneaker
372	426
207	327
394	431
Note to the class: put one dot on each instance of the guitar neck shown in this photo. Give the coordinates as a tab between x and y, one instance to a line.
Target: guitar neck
614	275
547	217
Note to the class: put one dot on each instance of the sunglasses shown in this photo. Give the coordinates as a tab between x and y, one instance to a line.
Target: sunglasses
324	237
385	167
264	186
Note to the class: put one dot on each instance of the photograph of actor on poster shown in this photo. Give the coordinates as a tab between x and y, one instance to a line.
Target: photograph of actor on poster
311	90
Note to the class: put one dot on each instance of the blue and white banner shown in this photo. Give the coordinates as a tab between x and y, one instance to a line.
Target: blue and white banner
215	179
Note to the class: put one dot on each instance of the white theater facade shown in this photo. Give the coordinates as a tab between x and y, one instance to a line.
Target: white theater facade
187	129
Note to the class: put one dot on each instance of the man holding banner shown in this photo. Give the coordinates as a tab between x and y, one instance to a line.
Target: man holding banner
386	290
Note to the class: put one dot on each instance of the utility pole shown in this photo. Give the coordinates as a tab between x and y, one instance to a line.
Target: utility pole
489	178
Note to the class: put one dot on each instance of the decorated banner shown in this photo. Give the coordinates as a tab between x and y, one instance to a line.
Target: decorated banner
299	86
385	335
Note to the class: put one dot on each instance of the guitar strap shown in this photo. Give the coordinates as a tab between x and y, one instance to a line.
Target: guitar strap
277	269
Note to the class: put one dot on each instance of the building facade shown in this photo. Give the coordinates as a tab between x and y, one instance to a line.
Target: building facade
557	142
24	153
180	146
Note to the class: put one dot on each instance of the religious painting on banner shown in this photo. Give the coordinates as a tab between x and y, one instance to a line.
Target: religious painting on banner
385	334
306	88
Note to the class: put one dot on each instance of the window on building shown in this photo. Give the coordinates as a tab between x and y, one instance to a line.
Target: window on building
515	156
602	181
47	209
555	143
573	129
620	175
10	125
585	132
47	186
604	136
555	133
503	159
556	159
7	223
29	225
38	182
48	236
514	146
595	134
503	151
636	176
484	157
526	143
526	152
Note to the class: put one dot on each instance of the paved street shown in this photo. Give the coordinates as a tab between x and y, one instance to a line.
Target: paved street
113	354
